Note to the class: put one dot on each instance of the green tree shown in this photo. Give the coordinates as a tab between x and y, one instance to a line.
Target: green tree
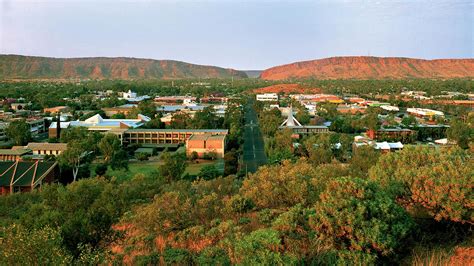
20	246
173	165
363	159
355	214
429	182
108	146
209	172
261	248
460	132
19	132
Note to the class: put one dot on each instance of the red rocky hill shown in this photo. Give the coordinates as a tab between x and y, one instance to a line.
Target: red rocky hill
365	67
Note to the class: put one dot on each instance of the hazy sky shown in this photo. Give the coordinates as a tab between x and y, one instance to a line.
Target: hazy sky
237	34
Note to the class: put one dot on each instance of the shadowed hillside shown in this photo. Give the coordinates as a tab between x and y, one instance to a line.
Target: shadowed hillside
30	67
364	67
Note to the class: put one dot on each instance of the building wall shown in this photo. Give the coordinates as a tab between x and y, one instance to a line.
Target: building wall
202	147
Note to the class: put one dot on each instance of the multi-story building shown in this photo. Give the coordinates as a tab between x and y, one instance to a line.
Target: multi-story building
163	136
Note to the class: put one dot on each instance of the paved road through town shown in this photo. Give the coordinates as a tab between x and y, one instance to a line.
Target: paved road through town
254	153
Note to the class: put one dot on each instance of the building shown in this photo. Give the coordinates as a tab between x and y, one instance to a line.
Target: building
267	97
97	123
162	136
56	109
297	128
203	144
174	99
390	108
122	109
25	176
43	148
53	129
19	106
424	113
131	96
316	98
391	134
13	154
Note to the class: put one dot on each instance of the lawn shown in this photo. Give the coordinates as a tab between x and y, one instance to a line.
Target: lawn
149	167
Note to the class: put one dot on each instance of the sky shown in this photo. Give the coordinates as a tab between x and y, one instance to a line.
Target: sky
237	34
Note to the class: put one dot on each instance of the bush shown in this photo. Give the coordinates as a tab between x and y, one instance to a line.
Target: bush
101	169
177	256
141	156
213	256
354	214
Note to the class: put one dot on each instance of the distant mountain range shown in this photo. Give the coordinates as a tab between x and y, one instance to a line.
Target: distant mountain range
366	67
32	67
348	67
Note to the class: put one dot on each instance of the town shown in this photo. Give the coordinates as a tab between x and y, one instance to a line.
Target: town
134	132
236	132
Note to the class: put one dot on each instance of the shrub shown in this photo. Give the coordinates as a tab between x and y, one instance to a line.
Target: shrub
354	214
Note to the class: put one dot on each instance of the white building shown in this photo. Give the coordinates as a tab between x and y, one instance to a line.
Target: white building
421	112
133	97
267	97
390	108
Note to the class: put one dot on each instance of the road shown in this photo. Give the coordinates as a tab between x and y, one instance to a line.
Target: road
254	152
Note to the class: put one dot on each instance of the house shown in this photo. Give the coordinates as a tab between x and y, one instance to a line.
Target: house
203	144
19	106
25	176
43	148
267	97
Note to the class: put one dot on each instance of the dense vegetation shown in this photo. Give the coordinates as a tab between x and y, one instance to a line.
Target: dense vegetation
288	213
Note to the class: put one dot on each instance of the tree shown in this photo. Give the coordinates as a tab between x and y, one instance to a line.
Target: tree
208	172
76	156
205	119
355	214
460	132
21	246
261	248
118	116
119	160
319	148
19	132
108	146
180	120
270	121
81	145
409	120
173	165
363	159
231	163
279	185
429	182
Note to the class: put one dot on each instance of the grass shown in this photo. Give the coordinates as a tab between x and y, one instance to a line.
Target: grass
151	167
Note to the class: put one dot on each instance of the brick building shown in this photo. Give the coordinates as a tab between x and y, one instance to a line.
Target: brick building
207	143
